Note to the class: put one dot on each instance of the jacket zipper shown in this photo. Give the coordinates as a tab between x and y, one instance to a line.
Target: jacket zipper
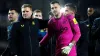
30	39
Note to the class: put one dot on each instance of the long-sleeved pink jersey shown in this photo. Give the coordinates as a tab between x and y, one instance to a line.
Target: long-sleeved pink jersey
66	30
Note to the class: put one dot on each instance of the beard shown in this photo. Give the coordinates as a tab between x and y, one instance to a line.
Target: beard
55	13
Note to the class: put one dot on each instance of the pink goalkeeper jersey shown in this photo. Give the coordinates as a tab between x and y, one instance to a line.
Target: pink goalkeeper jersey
65	28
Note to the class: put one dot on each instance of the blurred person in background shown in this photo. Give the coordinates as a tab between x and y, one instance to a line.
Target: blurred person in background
82	44
96	32
92	15
12	18
42	32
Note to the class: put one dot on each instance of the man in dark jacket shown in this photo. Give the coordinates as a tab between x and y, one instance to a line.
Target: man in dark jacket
24	34
12	17
92	41
96	36
41	32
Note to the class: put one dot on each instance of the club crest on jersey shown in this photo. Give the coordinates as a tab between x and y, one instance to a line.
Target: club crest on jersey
33	23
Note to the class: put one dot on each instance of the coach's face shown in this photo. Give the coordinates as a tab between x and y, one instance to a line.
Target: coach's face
26	12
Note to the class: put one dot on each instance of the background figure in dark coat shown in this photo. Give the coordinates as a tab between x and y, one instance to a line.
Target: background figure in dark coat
12	17
24	34
92	42
82	44
41	32
97	38
96	28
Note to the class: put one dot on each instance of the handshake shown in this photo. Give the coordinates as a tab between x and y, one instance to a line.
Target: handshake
66	50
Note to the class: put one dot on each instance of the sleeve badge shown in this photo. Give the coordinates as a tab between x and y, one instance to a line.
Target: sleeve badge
75	21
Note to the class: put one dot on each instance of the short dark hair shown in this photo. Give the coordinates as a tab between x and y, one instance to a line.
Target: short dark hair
37	10
71	6
27	5
16	10
91	6
53	2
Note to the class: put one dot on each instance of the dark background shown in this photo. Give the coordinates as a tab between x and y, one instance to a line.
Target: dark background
43	5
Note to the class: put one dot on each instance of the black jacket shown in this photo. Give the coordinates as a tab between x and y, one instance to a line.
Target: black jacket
96	28
24	37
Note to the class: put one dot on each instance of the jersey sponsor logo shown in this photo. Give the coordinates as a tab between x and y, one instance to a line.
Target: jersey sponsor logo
61	29
22	25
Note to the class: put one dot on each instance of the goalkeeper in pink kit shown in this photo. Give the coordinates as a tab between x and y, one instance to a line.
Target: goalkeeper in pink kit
66	30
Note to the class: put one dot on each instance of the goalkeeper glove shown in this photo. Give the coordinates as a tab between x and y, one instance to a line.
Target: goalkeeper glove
67	49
